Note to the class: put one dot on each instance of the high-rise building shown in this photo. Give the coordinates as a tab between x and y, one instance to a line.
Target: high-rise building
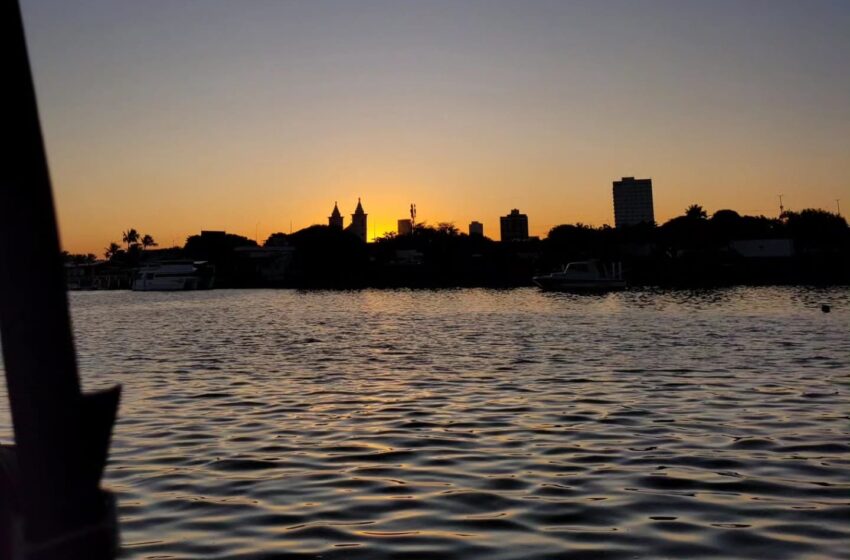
633	202
514	226
476	228
358	222
335	219
405	226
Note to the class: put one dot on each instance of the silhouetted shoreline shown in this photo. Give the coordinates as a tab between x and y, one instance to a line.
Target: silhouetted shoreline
809	247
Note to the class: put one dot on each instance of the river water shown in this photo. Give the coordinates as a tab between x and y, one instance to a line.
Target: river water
475	423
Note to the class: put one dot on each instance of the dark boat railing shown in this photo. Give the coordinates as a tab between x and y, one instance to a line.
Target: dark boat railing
51	505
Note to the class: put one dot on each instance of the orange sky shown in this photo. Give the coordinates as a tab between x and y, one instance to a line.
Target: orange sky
176	117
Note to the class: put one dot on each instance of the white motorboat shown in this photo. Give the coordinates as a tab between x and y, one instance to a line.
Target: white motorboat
173	276
580	276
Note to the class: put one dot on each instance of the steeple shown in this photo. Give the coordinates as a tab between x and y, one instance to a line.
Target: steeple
335	219
358	221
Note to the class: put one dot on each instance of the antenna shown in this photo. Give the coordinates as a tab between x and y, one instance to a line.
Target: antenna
838	205
781	208
412	214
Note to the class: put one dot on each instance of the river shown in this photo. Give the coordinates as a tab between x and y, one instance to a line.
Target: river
497	424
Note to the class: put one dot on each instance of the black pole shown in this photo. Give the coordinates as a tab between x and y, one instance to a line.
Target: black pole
61	435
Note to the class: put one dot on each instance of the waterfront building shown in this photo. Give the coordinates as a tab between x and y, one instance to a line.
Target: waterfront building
265	266
405	226
763	248
335	219
633	202
358	222
476	228
514	226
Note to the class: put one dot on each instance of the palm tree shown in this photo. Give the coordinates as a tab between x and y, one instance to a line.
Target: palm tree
112	250
147	241
696	212
131	237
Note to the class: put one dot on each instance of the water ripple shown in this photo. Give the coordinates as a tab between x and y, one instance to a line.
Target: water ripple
476	423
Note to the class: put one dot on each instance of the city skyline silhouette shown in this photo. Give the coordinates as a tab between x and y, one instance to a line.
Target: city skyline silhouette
249	117
673	386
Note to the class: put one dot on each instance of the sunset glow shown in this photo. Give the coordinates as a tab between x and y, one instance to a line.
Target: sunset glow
173	117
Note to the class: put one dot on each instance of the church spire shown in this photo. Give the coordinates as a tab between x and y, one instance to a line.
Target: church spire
335	219
358	221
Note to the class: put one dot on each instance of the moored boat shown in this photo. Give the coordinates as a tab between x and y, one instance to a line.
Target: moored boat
173	276
583	276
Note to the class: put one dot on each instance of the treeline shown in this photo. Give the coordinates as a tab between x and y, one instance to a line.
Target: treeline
135	243
810	246
694	249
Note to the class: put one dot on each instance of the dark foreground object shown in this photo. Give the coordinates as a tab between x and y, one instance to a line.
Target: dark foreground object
51	504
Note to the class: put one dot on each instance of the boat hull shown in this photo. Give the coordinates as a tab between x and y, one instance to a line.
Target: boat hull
167	284
567	285
173	276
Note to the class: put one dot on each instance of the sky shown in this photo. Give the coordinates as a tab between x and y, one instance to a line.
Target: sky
173	116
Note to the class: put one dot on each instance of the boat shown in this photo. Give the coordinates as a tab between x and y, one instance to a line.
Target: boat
584	276
173	276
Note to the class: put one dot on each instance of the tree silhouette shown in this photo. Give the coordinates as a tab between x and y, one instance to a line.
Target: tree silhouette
78	258
448	228
725	216
131	237
816	227
278	239
696	212
112	250
147	241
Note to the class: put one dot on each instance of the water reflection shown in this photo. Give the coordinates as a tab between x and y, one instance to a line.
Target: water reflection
476	423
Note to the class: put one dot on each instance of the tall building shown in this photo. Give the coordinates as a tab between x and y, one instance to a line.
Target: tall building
405	226
514	226
335	219
358	222
476	228
633	202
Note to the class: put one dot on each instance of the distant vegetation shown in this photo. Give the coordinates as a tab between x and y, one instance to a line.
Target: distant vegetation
694	249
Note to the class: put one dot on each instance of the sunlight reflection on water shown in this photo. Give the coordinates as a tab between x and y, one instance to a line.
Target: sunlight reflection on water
475	423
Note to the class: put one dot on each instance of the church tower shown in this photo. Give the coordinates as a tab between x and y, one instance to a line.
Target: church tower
358	222
335	219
